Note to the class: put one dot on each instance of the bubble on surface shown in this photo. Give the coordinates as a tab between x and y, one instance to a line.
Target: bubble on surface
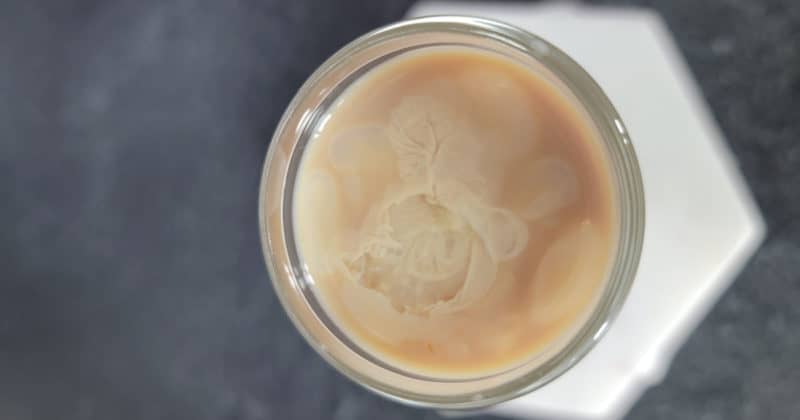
321	192
509	122
552	185
364	162
570	260
363	148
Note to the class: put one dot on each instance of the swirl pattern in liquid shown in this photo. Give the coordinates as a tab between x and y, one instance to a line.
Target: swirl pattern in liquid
455	211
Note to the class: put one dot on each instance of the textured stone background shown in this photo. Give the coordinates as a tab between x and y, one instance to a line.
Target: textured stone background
131	280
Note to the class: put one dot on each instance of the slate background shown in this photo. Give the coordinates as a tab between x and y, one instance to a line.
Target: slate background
131	280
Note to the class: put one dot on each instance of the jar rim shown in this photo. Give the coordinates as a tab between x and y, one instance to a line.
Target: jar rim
277	245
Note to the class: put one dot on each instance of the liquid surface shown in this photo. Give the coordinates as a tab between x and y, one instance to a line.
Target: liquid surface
455	212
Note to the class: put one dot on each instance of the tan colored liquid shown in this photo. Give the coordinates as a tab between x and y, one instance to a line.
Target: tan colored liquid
455	211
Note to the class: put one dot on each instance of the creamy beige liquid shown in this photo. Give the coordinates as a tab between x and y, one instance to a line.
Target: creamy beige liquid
455	211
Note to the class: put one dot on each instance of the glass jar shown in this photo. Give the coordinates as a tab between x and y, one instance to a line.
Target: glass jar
294	285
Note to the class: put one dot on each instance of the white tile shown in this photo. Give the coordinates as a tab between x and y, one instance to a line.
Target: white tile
702	224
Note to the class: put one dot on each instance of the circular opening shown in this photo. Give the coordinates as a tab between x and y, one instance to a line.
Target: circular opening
295	286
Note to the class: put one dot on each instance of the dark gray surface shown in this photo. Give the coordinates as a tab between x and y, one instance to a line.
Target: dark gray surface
131	280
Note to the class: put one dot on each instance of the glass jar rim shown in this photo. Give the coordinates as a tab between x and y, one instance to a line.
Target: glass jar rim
287	274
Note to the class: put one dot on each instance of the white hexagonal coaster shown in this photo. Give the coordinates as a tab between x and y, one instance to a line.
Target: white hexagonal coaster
702	224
